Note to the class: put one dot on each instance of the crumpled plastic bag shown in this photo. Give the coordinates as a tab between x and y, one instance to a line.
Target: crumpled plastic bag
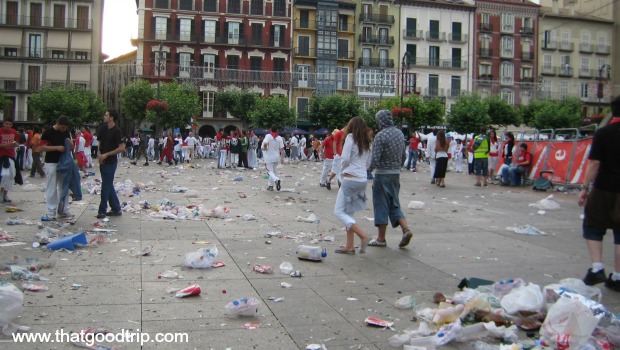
416	205
574	285
525	298
406	302
217	212
569	324
11	306
526	230
400	339
243	306
311	219
548	203
202	258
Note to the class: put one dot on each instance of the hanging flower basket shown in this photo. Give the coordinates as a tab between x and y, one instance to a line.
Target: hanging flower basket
157	106
402	112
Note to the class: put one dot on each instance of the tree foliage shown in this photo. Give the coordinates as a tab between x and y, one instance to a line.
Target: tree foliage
501	112
425	111
272	110
184	103
333	111
556	114
469	114
3	100
134	98
82	106
238	103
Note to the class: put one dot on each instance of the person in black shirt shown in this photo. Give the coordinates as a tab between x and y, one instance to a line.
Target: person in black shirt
110	144
53	144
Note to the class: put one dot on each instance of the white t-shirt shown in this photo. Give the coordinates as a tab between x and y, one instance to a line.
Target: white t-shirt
95	142
191	141
430	146
80	144
177	147
151	142
302	142
294	141
271	148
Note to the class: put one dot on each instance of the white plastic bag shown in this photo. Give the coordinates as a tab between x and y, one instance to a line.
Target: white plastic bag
569	324
11	306
406	302
577	286
202	258
243	307
548	203
525	298
416	205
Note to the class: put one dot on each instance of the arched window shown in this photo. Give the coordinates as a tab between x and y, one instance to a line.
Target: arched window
507	73
507	47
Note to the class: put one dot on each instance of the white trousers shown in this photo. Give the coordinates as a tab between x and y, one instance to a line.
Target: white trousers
89	156
271	170
52	191
432	168
327	167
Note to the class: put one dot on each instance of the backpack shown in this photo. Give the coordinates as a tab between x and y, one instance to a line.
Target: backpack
543	183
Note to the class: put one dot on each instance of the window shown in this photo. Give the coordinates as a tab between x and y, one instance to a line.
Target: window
601	62
507	73
208	66
486	20
59	16
35	46
343	23
277	36
343	78
547	62
583	90
36	12
161	4
327	18
455	86
83	16
585	41
433	56
507	96
161	28
234	6
366	56
456	58
160	62
302	106
565	67
232	65
10	52
563	88
433	30
383	36
257	7
413	51
527	24
184	64
383	58
256	64
279	8
484	70
81	55
457	31
302	75
565	37
411	26
550	38
526	73
343	48
508	22
210	31
278	68
585	66
210	5
233	33
208	97
185	29
186	5
602	40
507	45
433	85
58	54
257	33
12	11
327	43
304	19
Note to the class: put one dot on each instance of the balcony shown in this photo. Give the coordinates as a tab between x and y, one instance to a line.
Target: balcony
434	92
11	85
508	29
46	22
439	63
299	24
376	39
454	93
506	81
304	80
548	70
527	56
506	53
435	36
485	79
376	18
185	37
602	49
566	46
527	31
412	34
376	62
231	40
587	73
486	27
458	38
309	52
549	45
565	71
158	35
586	48
486	52
346	55
527	84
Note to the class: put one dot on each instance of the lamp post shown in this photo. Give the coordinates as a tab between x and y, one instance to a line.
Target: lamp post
404	65
599	91
159	64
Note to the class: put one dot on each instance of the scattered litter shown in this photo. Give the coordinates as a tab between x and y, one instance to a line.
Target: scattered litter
17	221
76	286
243	307
315	347
178	189
11	304
312	253
276	299
201	242
273	234
12	209
6	237
406	302
249	217
296	274
252	325
285	285
202	258
526	230
548	203
311	219
416	205
264	269
372	321
286	267
144	252
69	242
238	178
34	287
192	290
168	274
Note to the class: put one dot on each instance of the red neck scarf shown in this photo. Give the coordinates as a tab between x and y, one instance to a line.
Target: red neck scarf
614	120
274	135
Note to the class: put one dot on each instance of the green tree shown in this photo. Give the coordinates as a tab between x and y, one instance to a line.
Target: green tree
183	104
3	100
238	103
424	111
501	112
469	114
334	111
432	112
556	114
134	98
272	110
80	105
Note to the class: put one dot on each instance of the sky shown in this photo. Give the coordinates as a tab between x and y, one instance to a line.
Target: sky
120	24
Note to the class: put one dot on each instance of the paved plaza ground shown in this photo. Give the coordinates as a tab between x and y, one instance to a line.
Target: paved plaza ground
460	232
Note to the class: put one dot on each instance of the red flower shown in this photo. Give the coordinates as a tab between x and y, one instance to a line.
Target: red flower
401	112
157	106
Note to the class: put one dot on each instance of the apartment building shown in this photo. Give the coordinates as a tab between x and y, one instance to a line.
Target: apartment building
323	51
437	36
575	56
377	29
505	48
47	42
116	74
216	45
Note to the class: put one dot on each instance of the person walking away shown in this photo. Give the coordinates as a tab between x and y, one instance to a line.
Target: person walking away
459	152
442	146
223	151
273	153
387	158
78	152
328	159
35	145
316	145
412	162
244	144
337	134
167	144
178	149
88	138
431	141
142	145
94	147
352	195
191	146
28	155
252	157
302	148
600	195
150	149
493	155
110	144
481	148
53	144
9	140
294	148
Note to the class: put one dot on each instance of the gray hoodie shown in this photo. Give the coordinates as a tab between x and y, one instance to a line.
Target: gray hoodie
388	150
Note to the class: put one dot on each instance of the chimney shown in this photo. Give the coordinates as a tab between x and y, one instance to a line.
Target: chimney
555	7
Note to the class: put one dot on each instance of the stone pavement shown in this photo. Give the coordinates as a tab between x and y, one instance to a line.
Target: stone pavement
460	233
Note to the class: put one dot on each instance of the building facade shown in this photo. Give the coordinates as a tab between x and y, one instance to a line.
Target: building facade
216	45
437	35
323	51
505	48
47	42
116	74
575	56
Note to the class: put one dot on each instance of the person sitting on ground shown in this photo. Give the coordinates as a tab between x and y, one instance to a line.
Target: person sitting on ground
519	168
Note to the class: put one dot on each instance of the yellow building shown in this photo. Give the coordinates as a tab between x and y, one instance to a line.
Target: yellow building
323	51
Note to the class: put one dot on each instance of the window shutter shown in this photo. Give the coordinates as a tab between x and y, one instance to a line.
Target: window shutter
271	34
153	26
202	30
241	30
226	31
217	61
168	25
177	58
178	28
192	30
281	36
217	29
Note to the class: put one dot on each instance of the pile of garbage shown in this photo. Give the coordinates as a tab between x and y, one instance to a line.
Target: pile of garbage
168	210
564	315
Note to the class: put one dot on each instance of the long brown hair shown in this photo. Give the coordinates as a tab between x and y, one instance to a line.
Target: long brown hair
359	130
441	140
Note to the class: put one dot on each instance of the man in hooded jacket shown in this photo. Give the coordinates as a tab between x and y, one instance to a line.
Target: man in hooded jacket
388	156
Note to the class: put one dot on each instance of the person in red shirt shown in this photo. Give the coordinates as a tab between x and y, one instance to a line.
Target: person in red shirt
9	139
336	164
166	150
327	146
88	137
412	162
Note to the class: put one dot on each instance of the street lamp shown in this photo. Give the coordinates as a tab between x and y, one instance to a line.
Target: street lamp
404	65
159	66
599	91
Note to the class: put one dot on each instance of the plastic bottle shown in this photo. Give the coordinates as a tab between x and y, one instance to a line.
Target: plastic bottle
449	314
314	253
286	267
168	274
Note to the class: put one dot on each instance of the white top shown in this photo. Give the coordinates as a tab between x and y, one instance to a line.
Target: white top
191	141
81	142
271	148
294	141
354	163
430	146
151	142
95	142
302	142
177	147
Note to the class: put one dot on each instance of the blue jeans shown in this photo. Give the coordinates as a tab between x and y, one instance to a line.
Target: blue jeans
516	175
413	158
108	193
385	202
